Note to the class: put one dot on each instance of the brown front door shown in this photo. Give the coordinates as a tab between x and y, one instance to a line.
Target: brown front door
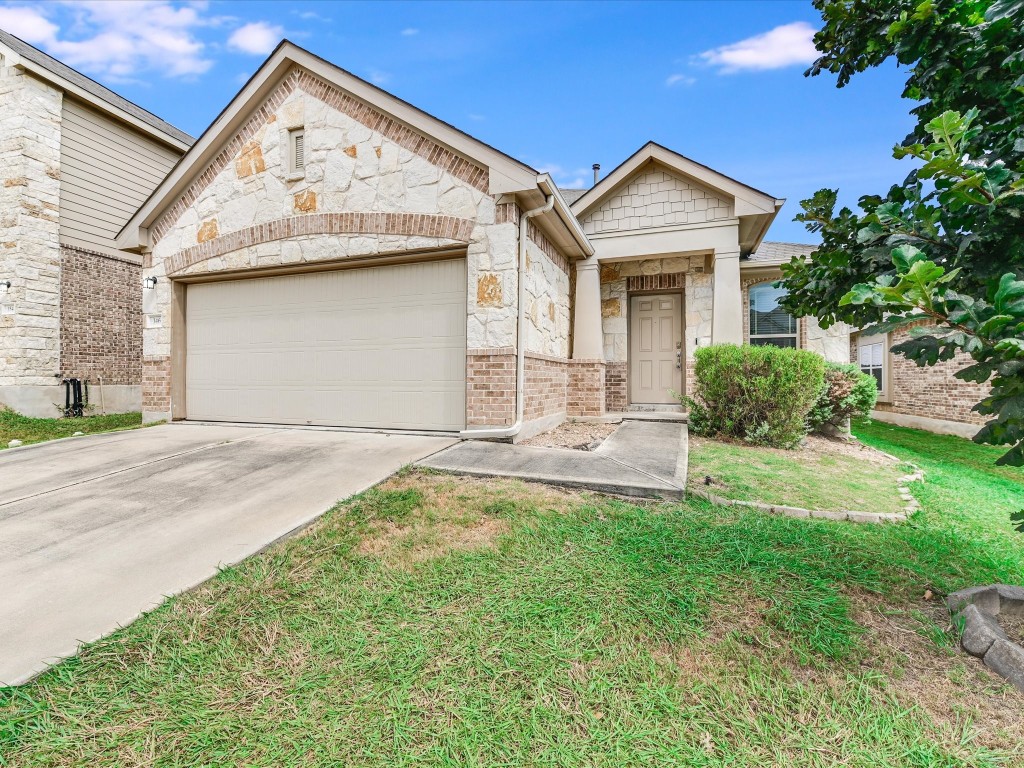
655	343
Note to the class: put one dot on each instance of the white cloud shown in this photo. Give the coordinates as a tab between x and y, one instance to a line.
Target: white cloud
379	77
256	37
679	79
567	178
410	31
782	46
476	117
27	24
118	41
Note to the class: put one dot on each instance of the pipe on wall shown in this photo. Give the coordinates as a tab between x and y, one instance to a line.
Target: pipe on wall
512	431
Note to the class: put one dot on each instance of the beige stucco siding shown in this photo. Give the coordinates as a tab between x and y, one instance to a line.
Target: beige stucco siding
655	197
106	172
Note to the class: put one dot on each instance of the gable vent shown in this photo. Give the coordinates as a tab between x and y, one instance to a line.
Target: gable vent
298	150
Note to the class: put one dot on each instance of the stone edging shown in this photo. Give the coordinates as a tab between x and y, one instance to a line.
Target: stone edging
974	613
852	516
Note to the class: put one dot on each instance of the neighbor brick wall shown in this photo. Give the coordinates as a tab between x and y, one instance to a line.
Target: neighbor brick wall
156	384
615	386
931	391
100	317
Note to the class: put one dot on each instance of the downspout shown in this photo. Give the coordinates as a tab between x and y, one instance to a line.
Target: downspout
520	334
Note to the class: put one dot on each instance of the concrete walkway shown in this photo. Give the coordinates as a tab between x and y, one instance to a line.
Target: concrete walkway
95	530
641	458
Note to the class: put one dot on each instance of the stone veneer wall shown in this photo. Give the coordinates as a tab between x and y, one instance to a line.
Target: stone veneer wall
655	198
930	392
620	279
362	165
29	252
100	317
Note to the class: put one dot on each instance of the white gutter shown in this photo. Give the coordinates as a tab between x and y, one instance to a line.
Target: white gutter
520	334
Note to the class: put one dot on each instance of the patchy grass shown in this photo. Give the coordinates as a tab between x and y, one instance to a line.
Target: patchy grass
823	474
438	621
14	426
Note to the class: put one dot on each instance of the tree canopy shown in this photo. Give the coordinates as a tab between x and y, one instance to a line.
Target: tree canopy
947	245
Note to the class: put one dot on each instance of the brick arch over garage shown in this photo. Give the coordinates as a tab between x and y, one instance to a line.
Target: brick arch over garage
450	228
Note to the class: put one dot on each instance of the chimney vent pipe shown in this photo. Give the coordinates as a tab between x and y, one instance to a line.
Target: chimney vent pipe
597	172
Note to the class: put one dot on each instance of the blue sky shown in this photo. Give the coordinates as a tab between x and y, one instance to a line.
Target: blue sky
557	85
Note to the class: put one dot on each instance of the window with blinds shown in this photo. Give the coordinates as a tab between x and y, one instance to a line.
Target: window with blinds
872	353
297	142
770	324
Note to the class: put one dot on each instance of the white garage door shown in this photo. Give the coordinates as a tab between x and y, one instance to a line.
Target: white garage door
377	347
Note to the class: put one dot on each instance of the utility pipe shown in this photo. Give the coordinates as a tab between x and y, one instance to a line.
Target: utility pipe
512	431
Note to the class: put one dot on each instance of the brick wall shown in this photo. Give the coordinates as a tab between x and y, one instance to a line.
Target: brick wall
491	387
585	395
547	380
156	384
932	391
100	317
615	386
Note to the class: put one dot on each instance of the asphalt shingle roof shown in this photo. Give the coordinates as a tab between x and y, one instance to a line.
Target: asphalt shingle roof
65	72
780	252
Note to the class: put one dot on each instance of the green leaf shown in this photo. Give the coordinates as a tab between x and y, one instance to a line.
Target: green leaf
905	256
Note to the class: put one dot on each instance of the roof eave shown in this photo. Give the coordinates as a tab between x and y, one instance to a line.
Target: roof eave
17	60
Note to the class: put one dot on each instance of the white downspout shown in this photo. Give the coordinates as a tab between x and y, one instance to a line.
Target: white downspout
520	334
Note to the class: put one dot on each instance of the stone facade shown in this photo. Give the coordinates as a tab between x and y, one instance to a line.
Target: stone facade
29	252
656	198
368	188
100	318
685	274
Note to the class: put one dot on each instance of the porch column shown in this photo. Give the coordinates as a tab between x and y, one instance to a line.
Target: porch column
727	307
588	338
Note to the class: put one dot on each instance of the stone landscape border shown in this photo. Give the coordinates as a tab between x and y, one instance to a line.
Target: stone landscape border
852	516
975	613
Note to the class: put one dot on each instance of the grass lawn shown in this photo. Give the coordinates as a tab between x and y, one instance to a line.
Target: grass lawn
14	426
440	621
823	474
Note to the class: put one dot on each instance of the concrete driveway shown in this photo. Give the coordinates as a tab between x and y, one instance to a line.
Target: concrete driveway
95	530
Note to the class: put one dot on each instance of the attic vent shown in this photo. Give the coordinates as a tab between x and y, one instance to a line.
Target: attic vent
298	147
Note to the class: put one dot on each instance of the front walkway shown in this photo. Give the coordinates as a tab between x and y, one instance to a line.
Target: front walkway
641	458
95	530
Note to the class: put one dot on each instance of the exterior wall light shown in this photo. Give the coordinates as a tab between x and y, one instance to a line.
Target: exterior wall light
5	286
149	283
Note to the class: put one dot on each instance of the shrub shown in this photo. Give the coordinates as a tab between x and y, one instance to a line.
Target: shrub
847	393
759	394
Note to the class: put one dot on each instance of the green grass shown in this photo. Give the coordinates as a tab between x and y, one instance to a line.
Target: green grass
439	621
14	426
811	478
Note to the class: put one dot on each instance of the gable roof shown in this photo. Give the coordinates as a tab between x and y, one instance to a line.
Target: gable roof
749	201
74	82
780	253
506	174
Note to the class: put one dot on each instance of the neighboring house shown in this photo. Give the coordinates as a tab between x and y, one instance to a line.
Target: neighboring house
329	254
76	160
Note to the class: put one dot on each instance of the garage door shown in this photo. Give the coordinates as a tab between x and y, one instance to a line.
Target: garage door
377	347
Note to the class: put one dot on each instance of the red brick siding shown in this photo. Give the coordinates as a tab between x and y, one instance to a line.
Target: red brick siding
586	388
100	317
156	384
615	386
546	385
931	391
491	387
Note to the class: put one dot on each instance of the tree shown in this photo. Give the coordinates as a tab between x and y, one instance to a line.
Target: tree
947	245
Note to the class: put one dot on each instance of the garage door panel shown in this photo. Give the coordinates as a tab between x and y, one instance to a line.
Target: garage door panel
375	347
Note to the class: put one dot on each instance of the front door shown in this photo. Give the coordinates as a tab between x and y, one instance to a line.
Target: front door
655	348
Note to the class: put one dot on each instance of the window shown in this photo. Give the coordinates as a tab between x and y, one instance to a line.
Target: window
769	322
872	353
297	146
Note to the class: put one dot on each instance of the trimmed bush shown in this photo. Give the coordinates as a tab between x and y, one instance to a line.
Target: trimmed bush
759	394
847	393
